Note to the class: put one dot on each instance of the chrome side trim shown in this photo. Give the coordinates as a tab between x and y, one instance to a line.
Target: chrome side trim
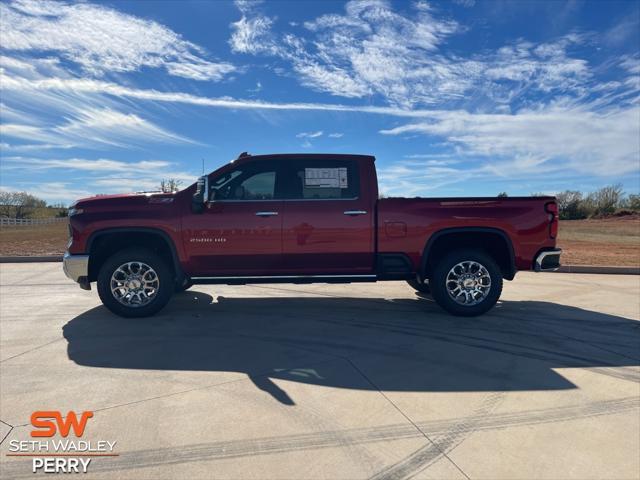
266	214
355	212
287	200
75	266
282	277
542	256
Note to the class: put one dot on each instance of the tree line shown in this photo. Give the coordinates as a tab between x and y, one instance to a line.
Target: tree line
575	205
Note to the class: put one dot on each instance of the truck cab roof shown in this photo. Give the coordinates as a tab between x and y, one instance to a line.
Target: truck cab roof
315	156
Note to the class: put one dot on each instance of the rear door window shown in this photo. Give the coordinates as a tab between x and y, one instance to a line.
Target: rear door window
322	180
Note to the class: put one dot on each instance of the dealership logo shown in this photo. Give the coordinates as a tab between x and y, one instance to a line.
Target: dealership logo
42	420
60	455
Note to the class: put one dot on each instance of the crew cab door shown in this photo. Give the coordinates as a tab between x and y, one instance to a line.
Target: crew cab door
240	231
328	218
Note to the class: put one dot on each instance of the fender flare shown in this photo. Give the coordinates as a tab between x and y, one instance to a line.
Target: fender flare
177	268
509	274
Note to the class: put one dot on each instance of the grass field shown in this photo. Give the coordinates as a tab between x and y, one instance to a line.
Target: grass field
611	241
48	239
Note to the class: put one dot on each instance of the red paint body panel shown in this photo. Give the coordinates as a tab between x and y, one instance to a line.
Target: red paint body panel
320	239
522	219
308	236
229	239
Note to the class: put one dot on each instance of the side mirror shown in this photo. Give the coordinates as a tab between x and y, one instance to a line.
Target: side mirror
200	197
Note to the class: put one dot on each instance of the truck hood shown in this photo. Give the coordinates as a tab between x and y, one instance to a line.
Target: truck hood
122	199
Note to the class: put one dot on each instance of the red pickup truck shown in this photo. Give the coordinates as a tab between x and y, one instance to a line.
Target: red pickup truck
303	218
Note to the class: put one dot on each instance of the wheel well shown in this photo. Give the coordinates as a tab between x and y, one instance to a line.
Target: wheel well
103	245
495	244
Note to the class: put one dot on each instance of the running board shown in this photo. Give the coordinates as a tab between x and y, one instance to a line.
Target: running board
284	279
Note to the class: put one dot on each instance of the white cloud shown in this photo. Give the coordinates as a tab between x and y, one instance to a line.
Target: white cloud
317	134
110	127
373	50
65	116
602	144
94	127
252	35
53	88
101	39
52	192
98	175
100	165
336	135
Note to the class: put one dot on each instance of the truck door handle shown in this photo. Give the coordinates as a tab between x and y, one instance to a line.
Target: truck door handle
353	213
266	214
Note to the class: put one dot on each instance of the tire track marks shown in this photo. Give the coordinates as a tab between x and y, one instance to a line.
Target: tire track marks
454	428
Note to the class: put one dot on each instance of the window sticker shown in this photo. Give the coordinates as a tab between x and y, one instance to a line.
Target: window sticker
326	178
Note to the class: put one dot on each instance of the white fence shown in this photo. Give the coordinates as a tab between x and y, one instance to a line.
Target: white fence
23	222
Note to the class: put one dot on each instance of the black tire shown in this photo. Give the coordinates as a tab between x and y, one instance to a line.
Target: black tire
419	285
160	298
438	282
186	285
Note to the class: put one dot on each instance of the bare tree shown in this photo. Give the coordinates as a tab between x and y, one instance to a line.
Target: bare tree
571	205
605	200
170	185
633	202
19	204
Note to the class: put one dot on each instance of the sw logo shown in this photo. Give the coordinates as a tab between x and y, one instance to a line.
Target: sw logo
47	428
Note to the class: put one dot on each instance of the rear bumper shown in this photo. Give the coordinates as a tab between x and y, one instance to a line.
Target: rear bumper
548	261
76	267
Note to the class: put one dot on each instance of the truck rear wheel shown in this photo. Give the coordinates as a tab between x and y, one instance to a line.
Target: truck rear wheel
466	282
135	283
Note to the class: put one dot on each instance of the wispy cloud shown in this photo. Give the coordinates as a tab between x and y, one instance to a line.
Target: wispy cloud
317	134
374	50
68	117
100	165
101	39
115	128
602	144
53	192
336	135
92	128
100	175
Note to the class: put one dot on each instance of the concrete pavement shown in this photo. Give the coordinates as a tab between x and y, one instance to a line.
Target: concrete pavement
342	381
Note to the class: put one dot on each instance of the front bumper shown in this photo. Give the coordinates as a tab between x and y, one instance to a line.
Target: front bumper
548	261
76	267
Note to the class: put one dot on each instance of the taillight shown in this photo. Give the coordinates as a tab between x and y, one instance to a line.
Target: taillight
552	209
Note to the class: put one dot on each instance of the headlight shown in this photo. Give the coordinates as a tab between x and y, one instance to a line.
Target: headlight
75	211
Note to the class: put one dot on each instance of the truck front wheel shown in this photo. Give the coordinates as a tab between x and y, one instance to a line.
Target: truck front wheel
466	282
135	283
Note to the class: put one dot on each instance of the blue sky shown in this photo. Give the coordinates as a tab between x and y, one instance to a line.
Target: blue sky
454	98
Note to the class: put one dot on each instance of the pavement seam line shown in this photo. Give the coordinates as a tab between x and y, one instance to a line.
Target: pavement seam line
31	350
444	454
11	427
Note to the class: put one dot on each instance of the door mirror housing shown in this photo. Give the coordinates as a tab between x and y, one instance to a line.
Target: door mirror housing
199	198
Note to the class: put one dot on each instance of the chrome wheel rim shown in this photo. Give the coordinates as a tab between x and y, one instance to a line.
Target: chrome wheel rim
134	284
468	283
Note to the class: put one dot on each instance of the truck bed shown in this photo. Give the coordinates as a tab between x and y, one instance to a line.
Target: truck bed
405	223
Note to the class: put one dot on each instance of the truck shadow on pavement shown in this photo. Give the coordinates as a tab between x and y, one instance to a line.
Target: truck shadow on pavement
361	343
